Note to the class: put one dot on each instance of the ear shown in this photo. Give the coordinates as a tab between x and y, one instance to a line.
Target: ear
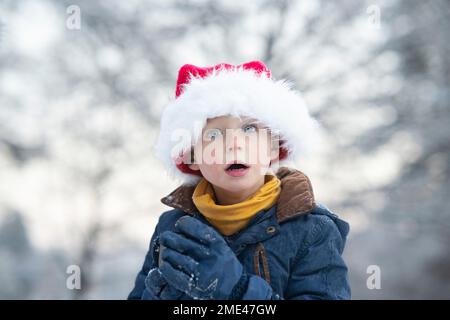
274	157
274	154
190	161
194	166
274	147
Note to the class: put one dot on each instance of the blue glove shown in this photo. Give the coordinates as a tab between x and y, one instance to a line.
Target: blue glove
157	287
198	261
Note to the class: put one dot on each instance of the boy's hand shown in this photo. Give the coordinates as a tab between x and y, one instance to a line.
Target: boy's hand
198	261
159	289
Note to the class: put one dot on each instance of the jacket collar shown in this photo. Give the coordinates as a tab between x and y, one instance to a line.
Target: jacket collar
296	196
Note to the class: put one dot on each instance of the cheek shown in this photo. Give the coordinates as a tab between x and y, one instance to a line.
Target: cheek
213	152
263	152
211	172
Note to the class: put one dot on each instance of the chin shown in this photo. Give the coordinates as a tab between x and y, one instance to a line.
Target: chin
239	184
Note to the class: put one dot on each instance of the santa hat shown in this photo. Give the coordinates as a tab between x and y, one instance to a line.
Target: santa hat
243	90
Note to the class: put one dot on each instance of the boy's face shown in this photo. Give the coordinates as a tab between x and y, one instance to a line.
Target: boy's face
227	140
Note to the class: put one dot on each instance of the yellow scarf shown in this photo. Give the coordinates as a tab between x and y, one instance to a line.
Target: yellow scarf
229	219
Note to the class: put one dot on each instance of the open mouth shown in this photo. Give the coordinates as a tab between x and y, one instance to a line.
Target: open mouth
236	166
237	169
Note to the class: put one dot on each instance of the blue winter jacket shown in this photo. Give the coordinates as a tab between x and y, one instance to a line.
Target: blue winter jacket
294	248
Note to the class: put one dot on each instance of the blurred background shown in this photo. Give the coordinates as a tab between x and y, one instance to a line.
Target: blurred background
83	84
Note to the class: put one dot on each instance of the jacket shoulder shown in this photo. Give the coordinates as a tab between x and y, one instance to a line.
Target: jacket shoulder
319	223
342	226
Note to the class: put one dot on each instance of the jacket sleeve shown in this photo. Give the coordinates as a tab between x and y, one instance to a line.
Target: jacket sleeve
318	270
140	291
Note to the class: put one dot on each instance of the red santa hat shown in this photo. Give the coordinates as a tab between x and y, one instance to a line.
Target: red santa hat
224	89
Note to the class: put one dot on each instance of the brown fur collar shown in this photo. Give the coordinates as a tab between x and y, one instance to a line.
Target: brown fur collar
296	197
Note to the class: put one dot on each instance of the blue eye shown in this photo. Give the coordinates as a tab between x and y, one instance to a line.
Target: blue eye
211	134
249	128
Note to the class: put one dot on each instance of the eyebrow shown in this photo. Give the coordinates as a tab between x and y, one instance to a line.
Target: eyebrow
254	121
250	121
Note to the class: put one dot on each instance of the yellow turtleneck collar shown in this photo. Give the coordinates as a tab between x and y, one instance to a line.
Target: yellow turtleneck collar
229	219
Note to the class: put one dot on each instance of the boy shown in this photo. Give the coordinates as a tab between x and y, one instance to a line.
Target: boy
240	228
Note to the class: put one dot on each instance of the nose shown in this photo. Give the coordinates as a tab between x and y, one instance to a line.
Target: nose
236	144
